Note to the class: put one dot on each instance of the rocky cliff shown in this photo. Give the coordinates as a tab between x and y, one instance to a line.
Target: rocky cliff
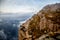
45	25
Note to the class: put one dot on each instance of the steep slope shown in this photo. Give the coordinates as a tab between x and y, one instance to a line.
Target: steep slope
45	25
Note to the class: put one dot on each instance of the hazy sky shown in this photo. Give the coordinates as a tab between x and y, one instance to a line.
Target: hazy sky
25	6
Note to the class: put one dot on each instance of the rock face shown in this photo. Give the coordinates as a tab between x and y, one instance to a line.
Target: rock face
45	25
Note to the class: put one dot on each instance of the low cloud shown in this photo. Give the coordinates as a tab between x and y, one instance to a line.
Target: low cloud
2	35
16	9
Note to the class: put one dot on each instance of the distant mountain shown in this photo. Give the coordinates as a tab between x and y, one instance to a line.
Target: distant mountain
45	25
15	15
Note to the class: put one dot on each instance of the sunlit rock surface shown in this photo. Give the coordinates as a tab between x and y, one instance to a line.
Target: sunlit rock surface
45	25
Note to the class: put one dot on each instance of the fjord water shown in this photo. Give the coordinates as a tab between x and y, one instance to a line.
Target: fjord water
9	24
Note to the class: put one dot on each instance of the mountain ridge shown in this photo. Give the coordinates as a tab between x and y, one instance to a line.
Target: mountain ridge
45	22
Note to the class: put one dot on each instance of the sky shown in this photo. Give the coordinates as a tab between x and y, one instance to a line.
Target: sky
24	6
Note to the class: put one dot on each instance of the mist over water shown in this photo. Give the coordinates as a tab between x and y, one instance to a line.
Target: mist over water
9	24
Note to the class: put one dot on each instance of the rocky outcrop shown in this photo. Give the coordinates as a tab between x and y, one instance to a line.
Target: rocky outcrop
45	25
